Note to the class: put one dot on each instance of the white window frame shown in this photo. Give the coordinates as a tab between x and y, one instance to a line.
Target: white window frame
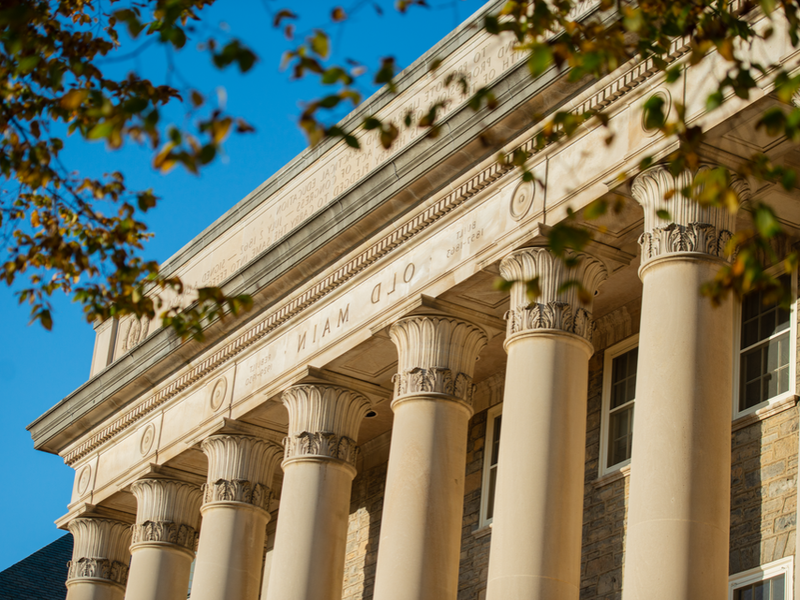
784	566
494	412
610	354
737	354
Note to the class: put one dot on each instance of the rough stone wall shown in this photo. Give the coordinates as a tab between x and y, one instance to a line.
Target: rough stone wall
474	566
604	505
366	506
764	491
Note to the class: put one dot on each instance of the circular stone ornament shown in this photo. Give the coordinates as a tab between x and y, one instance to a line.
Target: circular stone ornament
522	200
148	437
218	393
83	479
666	107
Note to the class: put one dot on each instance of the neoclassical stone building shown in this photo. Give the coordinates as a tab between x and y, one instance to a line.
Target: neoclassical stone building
386	424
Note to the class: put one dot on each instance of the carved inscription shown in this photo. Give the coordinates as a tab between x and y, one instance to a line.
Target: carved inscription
323	328
465	237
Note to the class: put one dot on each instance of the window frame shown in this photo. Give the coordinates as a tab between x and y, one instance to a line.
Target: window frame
783	566
609	355
737	353
493	412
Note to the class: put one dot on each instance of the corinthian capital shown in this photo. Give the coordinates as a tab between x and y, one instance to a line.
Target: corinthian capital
100	550
240	469
436	355
323	422
693	228
168	512
556	307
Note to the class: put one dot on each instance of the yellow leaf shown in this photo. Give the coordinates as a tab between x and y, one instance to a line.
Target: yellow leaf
74	98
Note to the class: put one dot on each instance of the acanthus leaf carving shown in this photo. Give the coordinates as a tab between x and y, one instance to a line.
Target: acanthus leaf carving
164	531
237	490
320	444
434	380
98	568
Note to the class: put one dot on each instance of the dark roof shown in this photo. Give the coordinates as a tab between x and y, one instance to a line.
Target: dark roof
41	576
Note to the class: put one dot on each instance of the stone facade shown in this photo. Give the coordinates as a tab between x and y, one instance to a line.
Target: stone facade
334	441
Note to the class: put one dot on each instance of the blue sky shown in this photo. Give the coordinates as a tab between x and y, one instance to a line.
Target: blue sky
39	368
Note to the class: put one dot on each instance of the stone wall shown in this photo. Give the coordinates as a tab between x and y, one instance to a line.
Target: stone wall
764	490
366	506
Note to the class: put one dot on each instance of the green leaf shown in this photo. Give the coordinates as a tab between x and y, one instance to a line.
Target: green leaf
663	215
320	44
100	131
540	59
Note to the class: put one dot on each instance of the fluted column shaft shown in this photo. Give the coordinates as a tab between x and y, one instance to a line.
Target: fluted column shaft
163	540
420	537
235	515
99	566
318	471
679	503
538	508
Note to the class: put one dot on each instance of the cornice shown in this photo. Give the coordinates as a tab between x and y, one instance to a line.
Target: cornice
602	99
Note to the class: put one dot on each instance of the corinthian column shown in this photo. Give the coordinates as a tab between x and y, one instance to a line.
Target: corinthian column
421	524
679	503
235	515
318	471
99	566
538	508
163	539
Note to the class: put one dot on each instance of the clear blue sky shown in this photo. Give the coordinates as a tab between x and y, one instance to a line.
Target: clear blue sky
37	368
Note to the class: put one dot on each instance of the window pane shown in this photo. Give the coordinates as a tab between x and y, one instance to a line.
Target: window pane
778	588
496	440
761	591
623	378
759	320
620	436
490	499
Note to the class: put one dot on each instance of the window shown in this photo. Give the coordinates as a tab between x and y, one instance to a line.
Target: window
766	342
492	450
767	582
619	394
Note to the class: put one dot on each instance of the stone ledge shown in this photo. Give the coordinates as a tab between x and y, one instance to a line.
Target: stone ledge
764	413
620	473
482	531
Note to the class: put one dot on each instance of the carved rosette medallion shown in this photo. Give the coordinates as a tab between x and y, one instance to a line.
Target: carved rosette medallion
148	437
218	392
522	200
100	550
83	479
694	228
240	469
323	422
557	307
436	357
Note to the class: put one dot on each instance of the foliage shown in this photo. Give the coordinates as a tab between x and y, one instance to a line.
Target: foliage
84	236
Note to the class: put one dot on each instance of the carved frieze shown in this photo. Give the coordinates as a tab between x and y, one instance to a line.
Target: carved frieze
559	305
321	445
434	380
166	532
98	568
237	490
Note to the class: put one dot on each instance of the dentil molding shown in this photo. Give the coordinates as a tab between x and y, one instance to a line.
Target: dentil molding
557	307
100	550
693	228
323	422
436	355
